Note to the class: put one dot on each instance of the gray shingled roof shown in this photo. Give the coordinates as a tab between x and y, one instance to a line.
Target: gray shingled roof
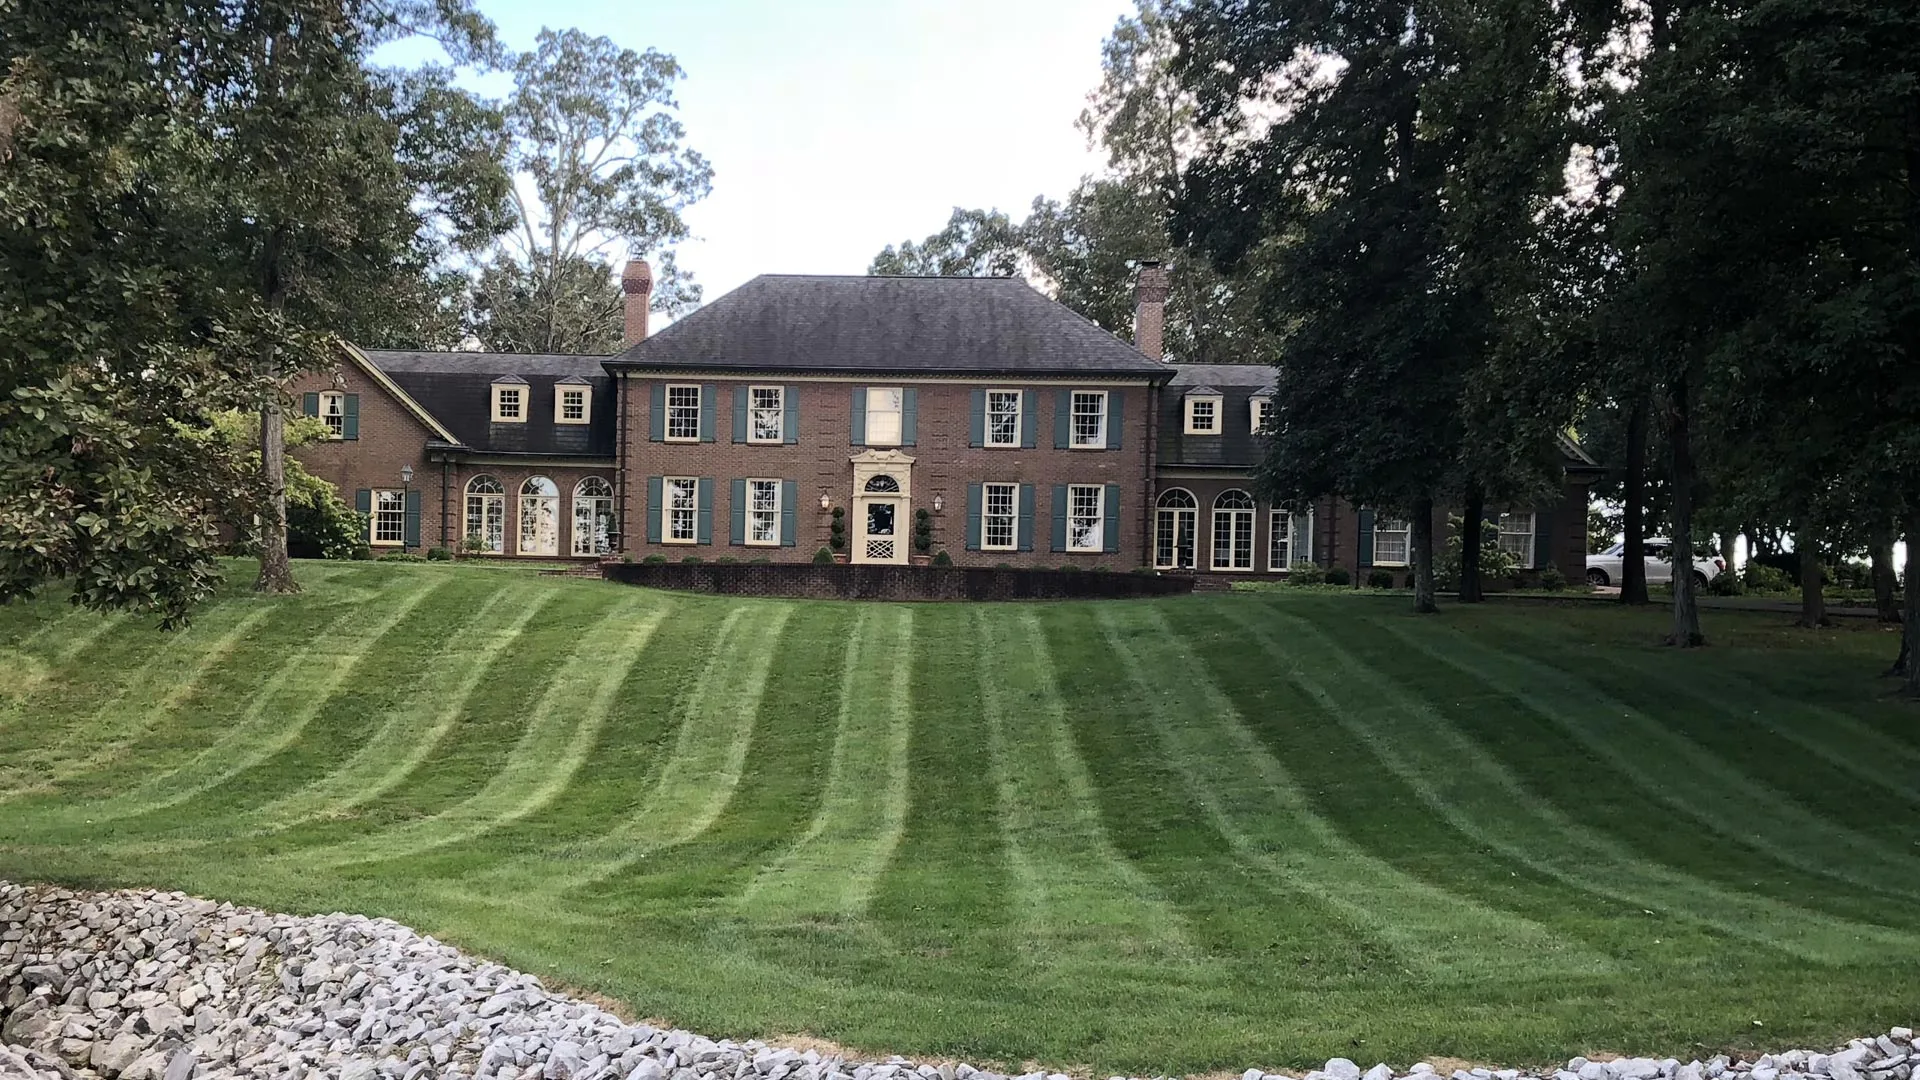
782	322
457	388
490	364
1250	376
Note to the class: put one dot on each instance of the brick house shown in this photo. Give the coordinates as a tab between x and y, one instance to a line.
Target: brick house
1208	519
1026	434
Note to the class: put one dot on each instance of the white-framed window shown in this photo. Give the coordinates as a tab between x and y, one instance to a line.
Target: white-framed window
333	410
1203	416
389	525
885	406
1003	417
1289	539
766	414
1090	419
487	514
509	403
539	517
763	513
1086	517
1233	531
1390	540
683	413
592	517
679	514
572	404
1516	537
1257	410
999	517
1176	527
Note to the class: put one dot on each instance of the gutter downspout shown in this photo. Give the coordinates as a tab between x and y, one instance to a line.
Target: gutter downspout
1153	454
446	479
620	458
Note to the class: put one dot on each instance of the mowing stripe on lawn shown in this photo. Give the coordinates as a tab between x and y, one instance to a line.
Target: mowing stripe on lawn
1479	796
1253	801
699	776
1676	770
30	662
832	870
277	713
1074	888
555	742
115	727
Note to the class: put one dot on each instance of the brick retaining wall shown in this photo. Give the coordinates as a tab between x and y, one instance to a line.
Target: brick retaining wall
871	582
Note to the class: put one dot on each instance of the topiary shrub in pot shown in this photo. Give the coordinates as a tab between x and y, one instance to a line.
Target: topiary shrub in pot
943	559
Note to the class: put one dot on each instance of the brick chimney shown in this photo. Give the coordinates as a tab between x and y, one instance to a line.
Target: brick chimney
1150	308
636	281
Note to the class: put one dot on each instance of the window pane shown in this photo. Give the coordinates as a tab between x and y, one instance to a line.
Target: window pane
1390	540
763	511
997	523
766	414
1516	537
1203	414
682	498
883	416
683	412
573	404
389	516
1089	418
509	402
1085	530
1003	418
1280	540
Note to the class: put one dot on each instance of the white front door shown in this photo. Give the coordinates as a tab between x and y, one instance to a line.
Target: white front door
883	529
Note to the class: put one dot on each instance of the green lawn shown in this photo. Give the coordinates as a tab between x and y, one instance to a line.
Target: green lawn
1141	837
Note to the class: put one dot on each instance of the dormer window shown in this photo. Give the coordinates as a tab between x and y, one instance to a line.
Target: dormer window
510	400
572	402
1203	411
1259	407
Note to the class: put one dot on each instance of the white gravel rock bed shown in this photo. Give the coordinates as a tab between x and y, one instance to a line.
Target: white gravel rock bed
138	985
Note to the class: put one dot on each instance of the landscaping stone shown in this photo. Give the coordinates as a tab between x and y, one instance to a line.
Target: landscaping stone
142	985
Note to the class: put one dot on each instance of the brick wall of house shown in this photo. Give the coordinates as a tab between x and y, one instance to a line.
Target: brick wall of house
944	465
390	437
1340	523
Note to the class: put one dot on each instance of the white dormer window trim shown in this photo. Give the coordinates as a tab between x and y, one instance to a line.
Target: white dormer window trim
572	404
509	403
1257	409
1203	415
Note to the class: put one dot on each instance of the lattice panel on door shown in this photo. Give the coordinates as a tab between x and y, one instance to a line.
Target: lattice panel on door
879	549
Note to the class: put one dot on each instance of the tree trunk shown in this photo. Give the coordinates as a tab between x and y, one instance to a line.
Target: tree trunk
1686	605
1884	606
1633	556
1813	601
1470	518
1422	540
1908	665
1726	551
276	570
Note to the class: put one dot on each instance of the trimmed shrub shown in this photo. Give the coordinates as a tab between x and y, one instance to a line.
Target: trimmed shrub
1306	573
761	561
439	554
823	557
362	553
1379	579
325	528
725	560
941	558
1764	578
654	560
400	556
1552	580
922	532
692	560
1339	576
1726	585
837	531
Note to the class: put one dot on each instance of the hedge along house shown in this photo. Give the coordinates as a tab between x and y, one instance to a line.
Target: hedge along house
1207	516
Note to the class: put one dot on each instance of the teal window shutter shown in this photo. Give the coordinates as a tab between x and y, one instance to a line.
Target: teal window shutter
350	417
790	428
1110	512
1029	418
709	405
1063	420
1542	539
1059	517
657	416
789	502
703	514
309	404
977	419
1364	537
411	536
909	415
738	493
973	516
859	416
363	502
740	414
1025	526
1114	418
654	508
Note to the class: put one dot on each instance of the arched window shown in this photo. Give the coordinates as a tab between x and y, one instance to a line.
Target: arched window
1289	538
1233	530
1176	527
539	517
883	484
486	516
592	517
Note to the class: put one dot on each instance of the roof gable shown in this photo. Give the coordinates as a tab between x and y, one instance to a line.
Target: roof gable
897	325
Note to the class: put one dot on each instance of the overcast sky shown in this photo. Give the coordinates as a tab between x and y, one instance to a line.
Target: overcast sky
836	127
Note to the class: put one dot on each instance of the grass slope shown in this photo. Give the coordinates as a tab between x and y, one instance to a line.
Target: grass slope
1177	836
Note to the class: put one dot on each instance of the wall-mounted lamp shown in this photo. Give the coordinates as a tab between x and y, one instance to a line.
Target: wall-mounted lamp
938	504
406	474
826	501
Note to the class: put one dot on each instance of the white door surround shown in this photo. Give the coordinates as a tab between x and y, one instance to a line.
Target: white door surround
882	497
